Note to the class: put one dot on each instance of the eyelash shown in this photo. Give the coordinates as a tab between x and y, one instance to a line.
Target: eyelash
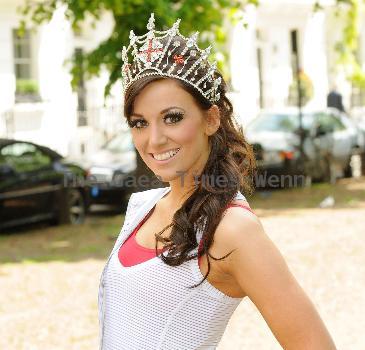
177	115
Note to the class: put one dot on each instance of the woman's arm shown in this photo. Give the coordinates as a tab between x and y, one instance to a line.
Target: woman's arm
260	270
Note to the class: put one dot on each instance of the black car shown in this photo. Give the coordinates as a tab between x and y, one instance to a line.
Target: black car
36	184
111	171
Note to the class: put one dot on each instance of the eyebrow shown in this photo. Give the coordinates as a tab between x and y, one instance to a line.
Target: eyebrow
163	111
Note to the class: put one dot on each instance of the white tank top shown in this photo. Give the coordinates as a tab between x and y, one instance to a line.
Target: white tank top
147	306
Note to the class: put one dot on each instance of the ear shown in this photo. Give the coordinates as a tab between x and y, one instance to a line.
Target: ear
213	120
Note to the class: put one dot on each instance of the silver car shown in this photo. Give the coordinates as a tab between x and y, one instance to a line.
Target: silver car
330	139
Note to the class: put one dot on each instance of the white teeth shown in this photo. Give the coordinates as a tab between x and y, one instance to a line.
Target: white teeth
165	155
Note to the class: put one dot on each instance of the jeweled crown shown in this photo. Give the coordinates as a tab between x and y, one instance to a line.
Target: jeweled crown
166	53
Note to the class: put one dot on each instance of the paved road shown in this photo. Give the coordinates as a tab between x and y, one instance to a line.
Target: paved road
325	251
52	305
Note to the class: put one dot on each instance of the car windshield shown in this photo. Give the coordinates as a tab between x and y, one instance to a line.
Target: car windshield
279	122
120	143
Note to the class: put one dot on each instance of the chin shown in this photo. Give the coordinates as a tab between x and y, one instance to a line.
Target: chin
169	173
167	177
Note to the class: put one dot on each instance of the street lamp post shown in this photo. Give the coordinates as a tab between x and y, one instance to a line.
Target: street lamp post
297	69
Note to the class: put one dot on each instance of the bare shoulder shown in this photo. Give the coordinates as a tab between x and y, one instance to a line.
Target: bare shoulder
242	232
255	264
258	269
238	223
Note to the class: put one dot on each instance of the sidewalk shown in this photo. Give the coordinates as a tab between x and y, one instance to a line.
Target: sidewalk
52	303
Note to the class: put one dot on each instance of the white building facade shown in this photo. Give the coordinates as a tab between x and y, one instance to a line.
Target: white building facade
53	114
263	61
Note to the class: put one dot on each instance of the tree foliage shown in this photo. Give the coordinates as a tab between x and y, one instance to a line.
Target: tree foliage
347	47
205	16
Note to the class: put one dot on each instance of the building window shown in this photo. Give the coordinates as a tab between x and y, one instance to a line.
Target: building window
26	85
22	55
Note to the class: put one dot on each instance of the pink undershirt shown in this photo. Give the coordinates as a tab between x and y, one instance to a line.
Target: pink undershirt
131	253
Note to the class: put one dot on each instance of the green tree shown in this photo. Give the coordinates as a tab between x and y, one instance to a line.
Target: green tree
347	47
206	16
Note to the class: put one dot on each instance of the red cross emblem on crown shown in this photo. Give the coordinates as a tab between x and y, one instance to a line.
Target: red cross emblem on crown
150	51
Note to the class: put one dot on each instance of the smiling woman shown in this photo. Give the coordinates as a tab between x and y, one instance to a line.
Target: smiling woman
172	136
160	273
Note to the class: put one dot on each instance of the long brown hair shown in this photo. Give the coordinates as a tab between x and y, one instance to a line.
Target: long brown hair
231	158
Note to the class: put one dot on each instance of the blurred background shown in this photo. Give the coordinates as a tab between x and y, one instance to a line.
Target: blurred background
296	76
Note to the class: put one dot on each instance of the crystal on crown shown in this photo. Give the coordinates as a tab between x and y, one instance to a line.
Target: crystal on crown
151	56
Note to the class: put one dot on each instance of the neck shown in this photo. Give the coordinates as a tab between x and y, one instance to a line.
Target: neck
178	194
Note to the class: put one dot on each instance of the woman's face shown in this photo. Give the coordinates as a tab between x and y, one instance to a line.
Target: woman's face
167	118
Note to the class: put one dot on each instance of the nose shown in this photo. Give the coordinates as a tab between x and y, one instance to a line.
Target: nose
157	137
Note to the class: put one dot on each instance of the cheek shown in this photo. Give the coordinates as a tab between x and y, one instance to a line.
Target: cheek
189	134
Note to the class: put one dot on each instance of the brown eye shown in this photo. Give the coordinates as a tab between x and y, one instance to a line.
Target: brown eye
174	116
134	123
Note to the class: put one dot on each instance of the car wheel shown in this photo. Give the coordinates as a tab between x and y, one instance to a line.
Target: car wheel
348	170
73	208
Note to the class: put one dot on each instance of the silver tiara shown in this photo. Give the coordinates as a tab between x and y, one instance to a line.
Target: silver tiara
148	52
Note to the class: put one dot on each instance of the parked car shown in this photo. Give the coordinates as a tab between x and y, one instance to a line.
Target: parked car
330	140
362	155
360	124
111	170
36	184
358	139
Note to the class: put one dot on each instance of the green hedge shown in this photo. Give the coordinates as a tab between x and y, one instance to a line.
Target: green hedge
26	86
